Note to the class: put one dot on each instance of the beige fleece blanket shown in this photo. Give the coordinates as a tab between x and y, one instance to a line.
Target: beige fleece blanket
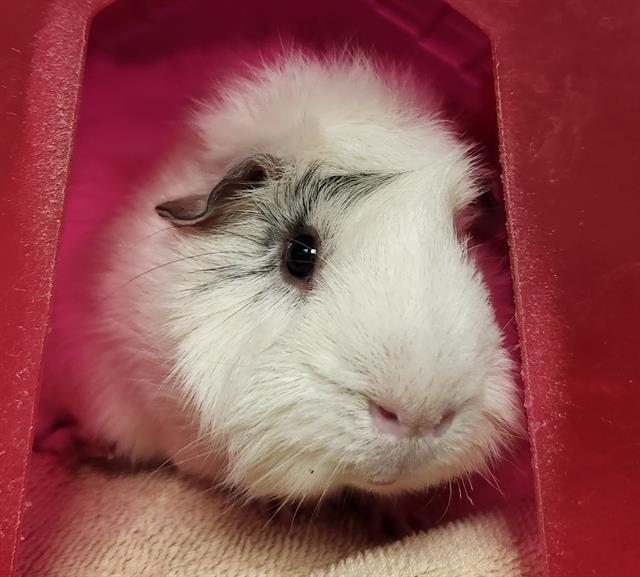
91	523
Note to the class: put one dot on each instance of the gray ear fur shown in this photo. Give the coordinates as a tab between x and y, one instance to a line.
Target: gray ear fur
190	210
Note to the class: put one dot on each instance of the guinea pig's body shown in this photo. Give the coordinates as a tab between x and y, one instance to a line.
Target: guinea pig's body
290	307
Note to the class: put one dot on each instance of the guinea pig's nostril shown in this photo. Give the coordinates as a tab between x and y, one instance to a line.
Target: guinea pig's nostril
386	413
445	424
386	421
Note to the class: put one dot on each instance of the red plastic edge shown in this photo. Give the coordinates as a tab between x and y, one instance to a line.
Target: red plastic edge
566	77
41	56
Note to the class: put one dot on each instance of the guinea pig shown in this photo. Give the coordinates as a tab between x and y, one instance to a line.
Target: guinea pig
290	307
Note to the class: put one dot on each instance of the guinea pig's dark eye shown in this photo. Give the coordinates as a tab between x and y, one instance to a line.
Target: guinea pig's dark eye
300	255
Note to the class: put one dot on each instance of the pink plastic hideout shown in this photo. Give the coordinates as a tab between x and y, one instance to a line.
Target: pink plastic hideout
566	82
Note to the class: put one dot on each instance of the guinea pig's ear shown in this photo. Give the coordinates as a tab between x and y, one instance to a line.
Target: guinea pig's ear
242	178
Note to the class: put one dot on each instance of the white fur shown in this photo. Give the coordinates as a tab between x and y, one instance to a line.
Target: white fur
271	397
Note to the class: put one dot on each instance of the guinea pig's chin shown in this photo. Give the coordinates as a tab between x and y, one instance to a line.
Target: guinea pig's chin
394	482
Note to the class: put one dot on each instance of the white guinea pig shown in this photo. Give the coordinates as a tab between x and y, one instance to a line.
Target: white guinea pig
291	308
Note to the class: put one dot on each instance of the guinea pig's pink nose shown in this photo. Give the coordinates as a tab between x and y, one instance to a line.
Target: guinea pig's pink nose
388	421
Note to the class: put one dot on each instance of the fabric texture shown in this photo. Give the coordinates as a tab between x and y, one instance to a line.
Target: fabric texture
90	522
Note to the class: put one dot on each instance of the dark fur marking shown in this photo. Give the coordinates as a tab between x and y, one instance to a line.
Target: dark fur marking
274	208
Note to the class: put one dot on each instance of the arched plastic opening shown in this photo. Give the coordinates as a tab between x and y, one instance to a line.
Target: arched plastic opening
147	61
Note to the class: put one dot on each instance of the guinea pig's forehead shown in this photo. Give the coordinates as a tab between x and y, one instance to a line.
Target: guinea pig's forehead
318	187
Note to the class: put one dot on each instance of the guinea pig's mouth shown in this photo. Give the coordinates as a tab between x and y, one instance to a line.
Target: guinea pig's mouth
386	486
390	478
394	483
382	482
410	468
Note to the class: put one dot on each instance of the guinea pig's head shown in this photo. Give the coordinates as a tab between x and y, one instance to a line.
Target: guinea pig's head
332	330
